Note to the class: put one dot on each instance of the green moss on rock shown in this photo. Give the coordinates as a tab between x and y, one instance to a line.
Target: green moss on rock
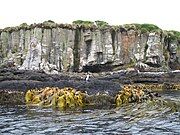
115	27
83	23
24	26
101	24
150	27
130	26
173	35
49	24
142	28
11	29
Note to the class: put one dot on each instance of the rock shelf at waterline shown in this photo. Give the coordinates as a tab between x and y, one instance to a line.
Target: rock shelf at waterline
15	83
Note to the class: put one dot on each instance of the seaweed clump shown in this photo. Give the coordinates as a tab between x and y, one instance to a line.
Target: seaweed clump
134	94
66	98
70	98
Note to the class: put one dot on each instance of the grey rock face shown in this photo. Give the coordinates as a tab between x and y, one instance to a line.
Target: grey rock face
174	52
66	49
33	59
98	48
154	52
4	44
75	48
14	45
33	56
139	48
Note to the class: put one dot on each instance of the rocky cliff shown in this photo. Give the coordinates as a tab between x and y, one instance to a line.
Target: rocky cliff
89	46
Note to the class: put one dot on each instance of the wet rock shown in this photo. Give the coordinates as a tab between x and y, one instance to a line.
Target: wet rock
13	79
102	84
105	82
11	98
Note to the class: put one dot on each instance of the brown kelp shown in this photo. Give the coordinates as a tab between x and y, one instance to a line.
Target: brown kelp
69	98
55	97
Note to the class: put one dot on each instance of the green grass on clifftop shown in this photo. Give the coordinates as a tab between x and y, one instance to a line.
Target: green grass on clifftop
143	28
85	24
174	35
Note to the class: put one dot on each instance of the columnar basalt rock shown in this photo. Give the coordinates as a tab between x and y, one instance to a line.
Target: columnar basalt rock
128	40
174	52
139	47
4	44
154	53
89	47
33	56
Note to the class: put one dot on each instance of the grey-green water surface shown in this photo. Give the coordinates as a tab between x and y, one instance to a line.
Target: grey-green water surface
161	117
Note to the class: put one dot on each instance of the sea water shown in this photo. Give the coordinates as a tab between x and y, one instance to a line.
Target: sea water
137	118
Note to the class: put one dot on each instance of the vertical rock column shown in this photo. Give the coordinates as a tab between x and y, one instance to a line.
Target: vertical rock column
15	36
22	48
56	42
117	47
27	40
15	47
154	52
46	45
139	48
86	50
76	50
4	44
1	56
93	48
174	52
107	46
66	42
128	40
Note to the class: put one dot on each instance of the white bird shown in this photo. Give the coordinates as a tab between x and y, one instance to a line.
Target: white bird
87	77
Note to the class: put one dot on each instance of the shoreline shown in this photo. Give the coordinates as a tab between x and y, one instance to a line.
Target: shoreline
14	83
22	80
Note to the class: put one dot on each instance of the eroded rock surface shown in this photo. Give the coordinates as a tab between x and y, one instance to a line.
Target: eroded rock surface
78	48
